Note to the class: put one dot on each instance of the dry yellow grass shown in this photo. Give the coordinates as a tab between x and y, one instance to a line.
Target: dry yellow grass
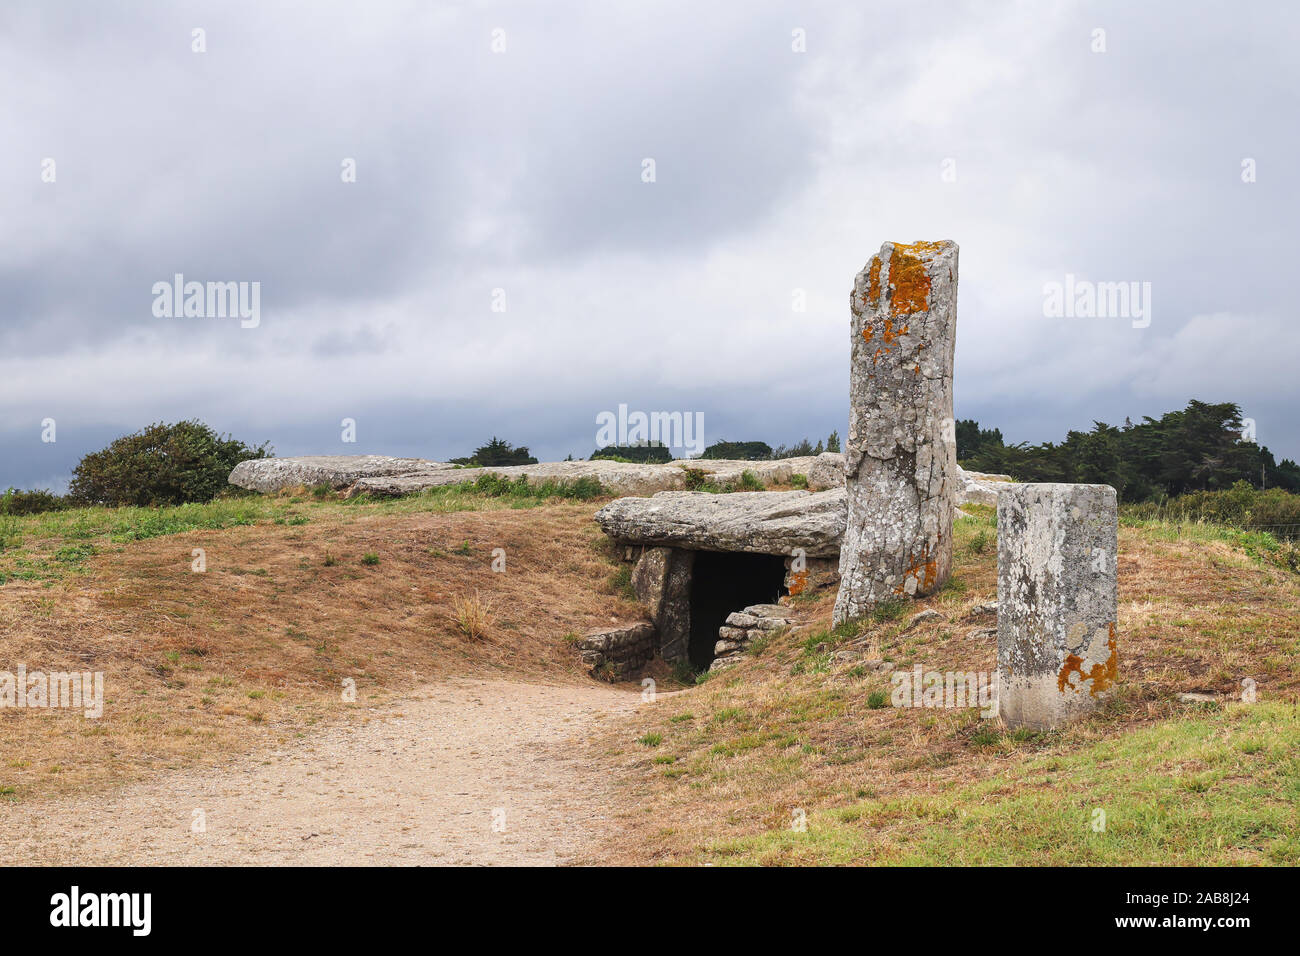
473	615
255	649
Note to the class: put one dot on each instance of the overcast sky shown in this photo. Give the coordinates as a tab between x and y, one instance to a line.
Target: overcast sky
999	126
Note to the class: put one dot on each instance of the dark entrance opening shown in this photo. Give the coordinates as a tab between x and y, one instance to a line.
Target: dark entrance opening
726	581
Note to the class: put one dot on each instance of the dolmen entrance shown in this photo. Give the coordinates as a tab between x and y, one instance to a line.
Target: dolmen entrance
713	570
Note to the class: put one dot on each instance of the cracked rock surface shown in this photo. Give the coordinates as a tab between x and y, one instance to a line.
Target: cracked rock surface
900	458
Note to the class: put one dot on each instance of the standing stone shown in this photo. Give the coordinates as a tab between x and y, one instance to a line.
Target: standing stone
1056	601
901	456
662	582
650	578
674	619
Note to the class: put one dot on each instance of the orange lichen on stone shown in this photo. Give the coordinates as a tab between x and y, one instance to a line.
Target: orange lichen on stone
888	335
798	582
924	570
873	282
908	279
923	250
1101	675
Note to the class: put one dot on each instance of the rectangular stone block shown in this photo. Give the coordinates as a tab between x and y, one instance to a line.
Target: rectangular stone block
1057	600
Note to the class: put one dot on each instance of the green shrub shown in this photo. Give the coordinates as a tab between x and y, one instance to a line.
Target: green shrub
10	536
582	489
1241	506
655	453
160	465
621	582
695	477
890	609
497	486
15	502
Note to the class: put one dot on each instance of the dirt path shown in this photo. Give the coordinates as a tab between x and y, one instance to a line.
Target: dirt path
430	782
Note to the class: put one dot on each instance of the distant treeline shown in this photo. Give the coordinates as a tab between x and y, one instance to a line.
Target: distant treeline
657	452
1200	448
1203	447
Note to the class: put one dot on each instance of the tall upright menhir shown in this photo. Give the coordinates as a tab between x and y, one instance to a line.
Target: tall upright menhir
901	456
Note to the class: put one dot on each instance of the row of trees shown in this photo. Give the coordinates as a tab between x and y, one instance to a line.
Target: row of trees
1203	447
657	452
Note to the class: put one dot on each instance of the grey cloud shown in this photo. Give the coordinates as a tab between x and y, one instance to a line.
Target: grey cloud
521	171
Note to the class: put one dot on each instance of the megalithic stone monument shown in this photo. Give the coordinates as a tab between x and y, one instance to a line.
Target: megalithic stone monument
1056	601
900	459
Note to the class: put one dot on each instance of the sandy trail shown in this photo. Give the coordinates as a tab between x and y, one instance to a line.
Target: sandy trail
462	772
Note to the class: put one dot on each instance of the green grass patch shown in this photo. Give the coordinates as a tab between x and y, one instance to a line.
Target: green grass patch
1217	789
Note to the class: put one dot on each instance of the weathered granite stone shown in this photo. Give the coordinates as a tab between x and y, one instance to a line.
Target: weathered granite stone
813	573
900	460
618	477
923	617
615	653
674	620
762	522
976	489
661	580
382	475
722	471
826	471
771	612
337	471
650	579
745	626
1056	601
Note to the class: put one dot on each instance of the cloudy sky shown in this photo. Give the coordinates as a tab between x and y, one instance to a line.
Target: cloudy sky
502	147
